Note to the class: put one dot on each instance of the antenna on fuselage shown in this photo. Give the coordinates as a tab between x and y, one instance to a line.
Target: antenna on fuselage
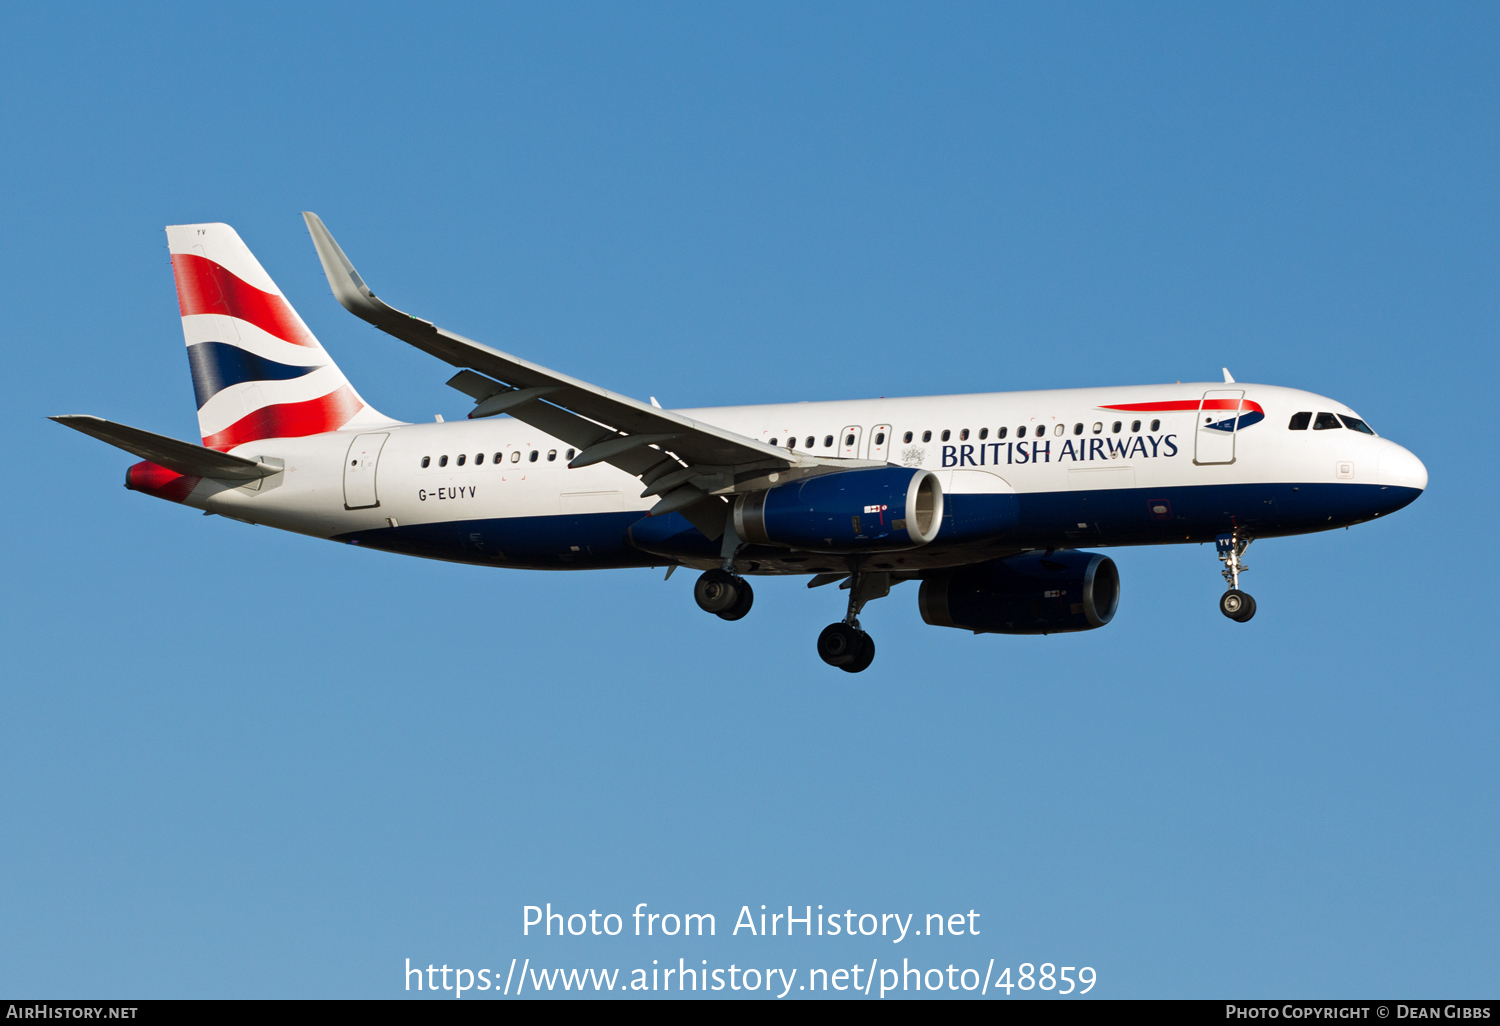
1228	377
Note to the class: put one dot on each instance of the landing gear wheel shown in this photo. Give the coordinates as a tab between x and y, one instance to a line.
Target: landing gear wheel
1237	605
865	657
717	591
839	644
742	604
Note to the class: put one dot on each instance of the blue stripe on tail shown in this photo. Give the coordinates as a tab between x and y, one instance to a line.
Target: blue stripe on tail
217	365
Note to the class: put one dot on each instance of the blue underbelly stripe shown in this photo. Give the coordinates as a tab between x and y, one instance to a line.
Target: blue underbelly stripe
973	525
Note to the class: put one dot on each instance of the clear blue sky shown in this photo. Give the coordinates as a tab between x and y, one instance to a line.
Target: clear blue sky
237	762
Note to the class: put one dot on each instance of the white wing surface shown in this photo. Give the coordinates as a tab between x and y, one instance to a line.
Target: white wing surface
688	463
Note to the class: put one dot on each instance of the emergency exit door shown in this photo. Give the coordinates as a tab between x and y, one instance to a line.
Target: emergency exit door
849	442
359	471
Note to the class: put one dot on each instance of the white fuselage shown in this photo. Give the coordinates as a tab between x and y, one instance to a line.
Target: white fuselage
1060	454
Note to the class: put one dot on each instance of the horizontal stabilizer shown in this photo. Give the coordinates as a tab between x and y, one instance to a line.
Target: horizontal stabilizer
185	458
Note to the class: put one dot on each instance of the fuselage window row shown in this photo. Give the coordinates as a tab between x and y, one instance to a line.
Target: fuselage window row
499	457
1299	422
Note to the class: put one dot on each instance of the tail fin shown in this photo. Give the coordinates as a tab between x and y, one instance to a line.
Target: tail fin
258	372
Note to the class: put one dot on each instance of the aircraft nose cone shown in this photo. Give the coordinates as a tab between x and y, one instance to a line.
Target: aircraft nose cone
1397	466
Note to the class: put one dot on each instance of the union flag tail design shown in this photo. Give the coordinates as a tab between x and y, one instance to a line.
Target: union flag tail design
258	372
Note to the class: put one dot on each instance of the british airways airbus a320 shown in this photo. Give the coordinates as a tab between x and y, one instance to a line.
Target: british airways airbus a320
985	499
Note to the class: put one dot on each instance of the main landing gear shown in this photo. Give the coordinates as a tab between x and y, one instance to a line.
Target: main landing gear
844	644
727	595
1235	604
722	591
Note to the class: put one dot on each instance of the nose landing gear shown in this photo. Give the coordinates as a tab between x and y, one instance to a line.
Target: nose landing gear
1235	604
844	644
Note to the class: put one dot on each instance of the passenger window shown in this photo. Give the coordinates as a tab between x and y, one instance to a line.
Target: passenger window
1078	429
963	436
496	457
1326	422
926	436
1098	427
1156	425
442	461
551	455
947	434
534	454
1060	429
461	458
426	462
1002	432
571	454
515	457
828	441
1021	431
906	437
984	433
1355	424
880	438
775	442
1135	425
1115	429
848	439
1300	422
478	458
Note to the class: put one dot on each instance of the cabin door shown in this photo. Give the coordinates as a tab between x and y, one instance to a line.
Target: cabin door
1218	416
359	471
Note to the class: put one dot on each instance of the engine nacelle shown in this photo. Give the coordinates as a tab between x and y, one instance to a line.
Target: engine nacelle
881	509
1027	594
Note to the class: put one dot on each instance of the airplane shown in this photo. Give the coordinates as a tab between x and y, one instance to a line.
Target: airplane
986	500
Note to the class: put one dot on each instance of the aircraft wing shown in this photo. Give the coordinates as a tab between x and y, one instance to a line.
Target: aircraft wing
182	457
683	460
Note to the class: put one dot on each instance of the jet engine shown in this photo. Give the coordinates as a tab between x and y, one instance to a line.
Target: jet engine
881	509
1032	593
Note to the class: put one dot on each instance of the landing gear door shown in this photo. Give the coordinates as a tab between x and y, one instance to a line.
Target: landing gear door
849	442
1218	416
359	471
880	443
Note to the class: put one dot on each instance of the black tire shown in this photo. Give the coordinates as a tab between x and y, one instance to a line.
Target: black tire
866	655
1248	611
1237	605
742	604
717	591
839	644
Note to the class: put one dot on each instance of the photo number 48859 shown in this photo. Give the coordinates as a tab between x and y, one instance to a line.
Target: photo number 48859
1048	978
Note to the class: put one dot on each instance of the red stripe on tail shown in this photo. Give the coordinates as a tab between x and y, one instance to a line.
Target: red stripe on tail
289	420
203	287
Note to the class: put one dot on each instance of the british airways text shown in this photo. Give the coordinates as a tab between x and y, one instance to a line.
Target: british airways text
989	453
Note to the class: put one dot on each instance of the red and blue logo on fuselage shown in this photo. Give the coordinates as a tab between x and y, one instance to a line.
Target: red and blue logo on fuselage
1242	410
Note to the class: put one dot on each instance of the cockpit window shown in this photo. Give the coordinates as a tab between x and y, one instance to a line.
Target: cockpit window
1326	421
1299	422
1355	424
